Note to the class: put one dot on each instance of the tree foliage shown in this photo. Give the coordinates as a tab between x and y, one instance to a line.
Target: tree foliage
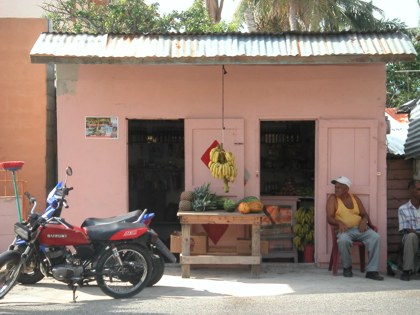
87	16
129	17
403	78
314	15
198	20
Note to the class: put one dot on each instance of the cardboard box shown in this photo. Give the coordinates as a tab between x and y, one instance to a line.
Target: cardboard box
279	214
243	246
198	243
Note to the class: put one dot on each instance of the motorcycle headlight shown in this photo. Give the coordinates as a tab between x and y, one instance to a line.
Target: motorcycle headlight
22	231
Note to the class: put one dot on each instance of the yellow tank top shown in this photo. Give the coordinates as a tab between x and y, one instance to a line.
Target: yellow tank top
350	217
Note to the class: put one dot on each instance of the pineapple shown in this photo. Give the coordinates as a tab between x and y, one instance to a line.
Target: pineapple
203	198
187	195
185	205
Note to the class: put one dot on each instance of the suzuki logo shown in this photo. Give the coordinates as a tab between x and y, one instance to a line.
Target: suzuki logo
56	235
130	233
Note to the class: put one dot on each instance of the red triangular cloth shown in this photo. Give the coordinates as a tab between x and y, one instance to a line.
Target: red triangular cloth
215	231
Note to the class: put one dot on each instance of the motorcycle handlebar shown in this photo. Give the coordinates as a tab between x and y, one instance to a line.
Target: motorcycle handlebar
66	190
32	201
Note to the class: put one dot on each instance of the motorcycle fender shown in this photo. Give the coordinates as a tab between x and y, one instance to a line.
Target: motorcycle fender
129	234
165	251
10	254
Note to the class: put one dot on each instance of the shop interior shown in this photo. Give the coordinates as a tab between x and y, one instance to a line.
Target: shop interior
287	158
287	163
156	171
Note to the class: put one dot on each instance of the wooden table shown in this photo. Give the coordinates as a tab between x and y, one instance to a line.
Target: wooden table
219	217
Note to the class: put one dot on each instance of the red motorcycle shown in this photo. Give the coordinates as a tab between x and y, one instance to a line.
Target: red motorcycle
161	253
117	255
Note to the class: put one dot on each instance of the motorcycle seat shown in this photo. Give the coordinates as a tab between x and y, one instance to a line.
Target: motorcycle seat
105	232
126	217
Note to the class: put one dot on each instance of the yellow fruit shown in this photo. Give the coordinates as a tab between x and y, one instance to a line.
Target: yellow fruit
243	207
255	206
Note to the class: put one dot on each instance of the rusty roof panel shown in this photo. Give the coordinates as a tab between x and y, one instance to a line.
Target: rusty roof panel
229	48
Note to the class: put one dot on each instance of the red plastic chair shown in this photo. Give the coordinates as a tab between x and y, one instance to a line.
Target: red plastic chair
334	259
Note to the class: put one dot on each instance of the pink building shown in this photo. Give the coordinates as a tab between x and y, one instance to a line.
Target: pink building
297	109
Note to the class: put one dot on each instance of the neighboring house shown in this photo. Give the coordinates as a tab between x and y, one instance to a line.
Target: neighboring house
403	165
308	104
23	109
412	145
399	172
397	133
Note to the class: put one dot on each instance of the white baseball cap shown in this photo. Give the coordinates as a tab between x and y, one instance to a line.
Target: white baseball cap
342	180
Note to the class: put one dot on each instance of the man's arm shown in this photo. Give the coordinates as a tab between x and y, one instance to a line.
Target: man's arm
364	215
331	209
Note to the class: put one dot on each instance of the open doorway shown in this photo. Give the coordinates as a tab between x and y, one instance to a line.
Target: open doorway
287	158
287	174
156	171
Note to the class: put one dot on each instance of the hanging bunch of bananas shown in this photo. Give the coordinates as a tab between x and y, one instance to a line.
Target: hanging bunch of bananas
222	165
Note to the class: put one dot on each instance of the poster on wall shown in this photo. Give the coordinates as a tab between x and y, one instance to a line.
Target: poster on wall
101	127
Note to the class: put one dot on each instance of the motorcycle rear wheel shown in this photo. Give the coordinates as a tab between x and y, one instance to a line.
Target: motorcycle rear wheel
9	271
158	269
129	279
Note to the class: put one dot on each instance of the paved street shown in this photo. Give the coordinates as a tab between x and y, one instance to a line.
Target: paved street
281	289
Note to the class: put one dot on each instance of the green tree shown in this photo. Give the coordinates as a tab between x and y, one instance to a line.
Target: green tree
197	19
129	17
403	78
314	15
87	16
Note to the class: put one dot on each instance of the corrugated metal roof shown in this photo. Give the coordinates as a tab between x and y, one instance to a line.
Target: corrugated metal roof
228	48
398	124
412	144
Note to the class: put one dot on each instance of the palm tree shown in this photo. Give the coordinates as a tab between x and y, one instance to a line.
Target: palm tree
215	8
313	15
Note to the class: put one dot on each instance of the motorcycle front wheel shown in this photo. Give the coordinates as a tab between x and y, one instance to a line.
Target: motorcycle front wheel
127	279
31	273
9	271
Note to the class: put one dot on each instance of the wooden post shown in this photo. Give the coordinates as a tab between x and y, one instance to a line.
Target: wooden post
185	249
255	248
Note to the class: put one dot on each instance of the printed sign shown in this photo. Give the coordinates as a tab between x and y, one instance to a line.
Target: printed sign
101	127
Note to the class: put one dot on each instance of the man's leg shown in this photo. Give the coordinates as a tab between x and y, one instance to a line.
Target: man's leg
372	241
411	244
344	242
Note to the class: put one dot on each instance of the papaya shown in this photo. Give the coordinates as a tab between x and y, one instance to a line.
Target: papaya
243	208
255	206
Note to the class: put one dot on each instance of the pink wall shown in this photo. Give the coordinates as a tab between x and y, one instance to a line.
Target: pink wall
254	93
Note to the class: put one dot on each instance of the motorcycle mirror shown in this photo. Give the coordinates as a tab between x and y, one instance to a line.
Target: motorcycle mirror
69	171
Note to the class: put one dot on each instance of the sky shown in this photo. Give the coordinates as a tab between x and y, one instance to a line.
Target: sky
407	11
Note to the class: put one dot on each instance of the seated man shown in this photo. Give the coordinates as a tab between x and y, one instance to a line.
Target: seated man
409	222
346	212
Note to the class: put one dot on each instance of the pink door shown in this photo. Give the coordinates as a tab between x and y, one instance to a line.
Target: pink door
349	148
199	136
